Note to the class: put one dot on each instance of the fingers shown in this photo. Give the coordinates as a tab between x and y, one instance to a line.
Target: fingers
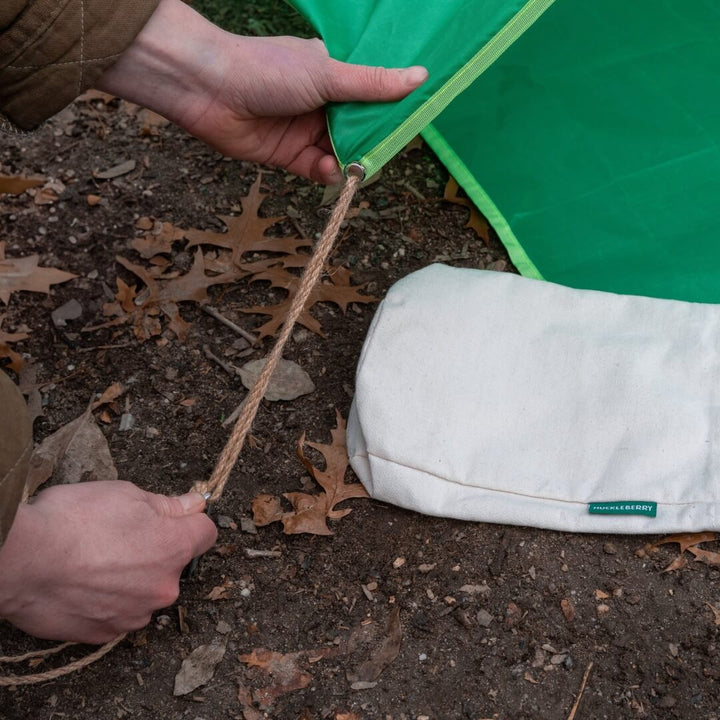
365	83
199	533
187	504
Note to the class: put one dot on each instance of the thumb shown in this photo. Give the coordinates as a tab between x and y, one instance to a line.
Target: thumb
187	504
365	83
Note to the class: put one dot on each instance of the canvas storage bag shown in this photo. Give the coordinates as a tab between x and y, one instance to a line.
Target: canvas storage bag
487	396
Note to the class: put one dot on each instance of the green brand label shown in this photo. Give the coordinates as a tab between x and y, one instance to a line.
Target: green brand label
624	507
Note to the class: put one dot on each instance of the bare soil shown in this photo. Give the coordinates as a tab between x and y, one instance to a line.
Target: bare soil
542	605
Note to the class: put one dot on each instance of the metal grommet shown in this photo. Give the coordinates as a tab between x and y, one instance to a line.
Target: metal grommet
355	169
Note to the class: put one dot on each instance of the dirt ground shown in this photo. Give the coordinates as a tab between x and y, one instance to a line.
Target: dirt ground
495	622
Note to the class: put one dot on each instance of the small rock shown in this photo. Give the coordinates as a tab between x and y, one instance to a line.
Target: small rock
422	657
248	526
674	650
127	420
223	627
426	568
609	549
602	609
226	522
398	562
558	659
363	685
484	618
483	589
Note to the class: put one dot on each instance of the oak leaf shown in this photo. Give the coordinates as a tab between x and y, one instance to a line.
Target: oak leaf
338	291
161	295
158	240
24	274
311	512
246	232
16	361
688	542
284	669
476	221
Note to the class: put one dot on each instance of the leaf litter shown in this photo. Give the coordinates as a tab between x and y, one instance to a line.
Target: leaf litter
162	288
24	274
688	542
75	452
370	646
310	513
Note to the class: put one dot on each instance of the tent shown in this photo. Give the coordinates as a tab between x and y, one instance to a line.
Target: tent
587	133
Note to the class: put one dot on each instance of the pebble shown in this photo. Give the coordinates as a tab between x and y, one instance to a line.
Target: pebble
398	562
426	567
484	618
126	422
609	549
248	526
223	627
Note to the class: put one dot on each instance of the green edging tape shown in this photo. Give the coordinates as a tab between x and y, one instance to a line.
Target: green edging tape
624	507
487	207
522	21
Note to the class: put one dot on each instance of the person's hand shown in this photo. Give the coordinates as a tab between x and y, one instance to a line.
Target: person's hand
259	99
87	562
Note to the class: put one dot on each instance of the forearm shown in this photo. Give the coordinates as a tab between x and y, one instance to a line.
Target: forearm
174	65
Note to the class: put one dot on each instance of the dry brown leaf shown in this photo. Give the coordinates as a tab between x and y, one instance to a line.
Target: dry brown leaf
310	512
705	556
159	240
715	612
285	670
388	650
338	291
75	451
567	609
16	361
112	393
677	564
198	667
24	274
685	540
15	185
476	221
221	592
161	295
50	193
266	509
246	232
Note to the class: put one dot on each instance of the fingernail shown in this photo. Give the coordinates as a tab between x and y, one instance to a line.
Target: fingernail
415	75
191	501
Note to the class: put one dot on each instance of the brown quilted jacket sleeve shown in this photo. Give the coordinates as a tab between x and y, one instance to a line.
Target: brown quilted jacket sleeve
53	50
15	450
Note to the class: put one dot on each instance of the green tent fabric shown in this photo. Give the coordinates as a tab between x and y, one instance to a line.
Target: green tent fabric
587	133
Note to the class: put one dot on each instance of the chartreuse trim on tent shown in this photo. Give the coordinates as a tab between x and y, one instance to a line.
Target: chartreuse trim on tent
456	41
589	133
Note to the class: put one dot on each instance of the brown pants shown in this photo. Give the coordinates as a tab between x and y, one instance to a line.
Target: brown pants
15	450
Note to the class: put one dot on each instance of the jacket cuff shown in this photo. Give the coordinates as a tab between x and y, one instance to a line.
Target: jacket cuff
55	49
15	451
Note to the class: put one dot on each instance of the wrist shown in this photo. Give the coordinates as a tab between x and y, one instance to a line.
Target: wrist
174	65
17	560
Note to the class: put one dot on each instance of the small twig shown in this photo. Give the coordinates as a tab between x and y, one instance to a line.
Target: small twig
226	366
235	413
575	707
229	323
106	347
252	553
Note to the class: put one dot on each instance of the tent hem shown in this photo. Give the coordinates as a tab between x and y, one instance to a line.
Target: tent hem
479	196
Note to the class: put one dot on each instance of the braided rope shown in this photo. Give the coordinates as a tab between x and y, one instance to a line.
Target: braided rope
229	455
32	679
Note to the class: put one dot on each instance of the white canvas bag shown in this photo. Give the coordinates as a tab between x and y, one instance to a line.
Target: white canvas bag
487	396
